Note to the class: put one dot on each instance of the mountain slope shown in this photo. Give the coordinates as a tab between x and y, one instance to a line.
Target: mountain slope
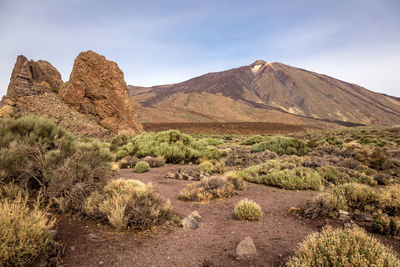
264	92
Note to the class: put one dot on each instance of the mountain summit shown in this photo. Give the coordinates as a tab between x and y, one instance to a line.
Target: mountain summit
265	91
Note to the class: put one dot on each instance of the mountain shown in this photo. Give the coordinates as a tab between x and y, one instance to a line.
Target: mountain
269	92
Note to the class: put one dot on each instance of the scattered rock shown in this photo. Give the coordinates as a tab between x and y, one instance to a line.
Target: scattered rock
246	247
195	215
344	215
93	237
363	217
97	87
181	174
189	223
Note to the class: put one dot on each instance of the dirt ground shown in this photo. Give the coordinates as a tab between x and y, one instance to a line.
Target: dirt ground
212	244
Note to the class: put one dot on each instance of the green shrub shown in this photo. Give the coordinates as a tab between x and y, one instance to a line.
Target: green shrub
385	224
236	180
141	167
84	172
128	204
346	197
347	247
282	145
389	200
26	234
340	175
173	146
255	139
284	174
118	141
248	210
207	189
212	166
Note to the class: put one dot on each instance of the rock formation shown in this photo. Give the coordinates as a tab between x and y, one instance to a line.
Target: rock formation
32	78
97	88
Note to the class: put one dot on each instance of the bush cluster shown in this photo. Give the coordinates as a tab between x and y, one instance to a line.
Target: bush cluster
128	204
142	167
26	231
285	173
207	189
341	175
248	210
35	154
383	203
212	166
172	145
347	247
282	145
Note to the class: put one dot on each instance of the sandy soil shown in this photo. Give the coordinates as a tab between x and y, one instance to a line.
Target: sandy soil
212	244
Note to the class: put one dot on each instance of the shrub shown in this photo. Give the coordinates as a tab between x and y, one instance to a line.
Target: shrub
282	145
248	210
344	197
118	141
255	139
141	167
347	247
128	204
26	234
236	180
128	162
284	174
389	199
207	189
340	175
86	171
385	224
173	146
154	162
212	166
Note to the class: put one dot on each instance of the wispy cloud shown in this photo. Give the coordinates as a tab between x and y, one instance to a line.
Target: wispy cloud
157	42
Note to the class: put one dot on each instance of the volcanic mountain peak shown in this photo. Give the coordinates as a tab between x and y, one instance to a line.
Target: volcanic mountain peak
249	93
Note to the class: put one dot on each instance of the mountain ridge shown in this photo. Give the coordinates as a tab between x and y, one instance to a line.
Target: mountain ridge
272	86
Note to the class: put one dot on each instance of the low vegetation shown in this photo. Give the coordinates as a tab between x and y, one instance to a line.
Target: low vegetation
248	210
347	247
172	145
212	166
285	174
282	145
207	189
141	167
128	204
26	231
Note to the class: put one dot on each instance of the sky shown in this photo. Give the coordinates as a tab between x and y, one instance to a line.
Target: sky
167	41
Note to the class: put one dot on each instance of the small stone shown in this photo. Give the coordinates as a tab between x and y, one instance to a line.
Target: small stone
343	212
246	247
195	215
189	223
363	217
344	217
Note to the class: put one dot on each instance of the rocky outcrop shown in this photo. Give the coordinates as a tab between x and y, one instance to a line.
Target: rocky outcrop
97	88
32	78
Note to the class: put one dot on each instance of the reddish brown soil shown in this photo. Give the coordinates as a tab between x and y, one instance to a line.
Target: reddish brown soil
213	243
226	127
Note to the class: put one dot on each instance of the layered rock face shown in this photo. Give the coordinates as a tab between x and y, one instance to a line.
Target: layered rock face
32	78
97	88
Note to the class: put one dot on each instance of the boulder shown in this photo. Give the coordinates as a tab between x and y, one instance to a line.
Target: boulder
246	247
189	223
96	87
32	78
362	217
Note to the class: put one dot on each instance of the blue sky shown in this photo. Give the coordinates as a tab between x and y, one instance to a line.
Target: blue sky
166	41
